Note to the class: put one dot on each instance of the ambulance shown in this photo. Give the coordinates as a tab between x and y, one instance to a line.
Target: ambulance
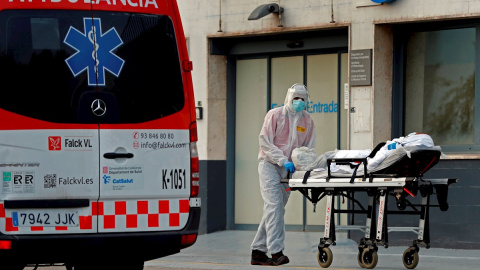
98	157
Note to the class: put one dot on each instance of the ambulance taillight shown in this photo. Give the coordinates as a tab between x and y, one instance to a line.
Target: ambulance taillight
188	240
194	163
5	244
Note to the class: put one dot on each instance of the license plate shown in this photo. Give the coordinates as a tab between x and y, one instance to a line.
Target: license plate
46	218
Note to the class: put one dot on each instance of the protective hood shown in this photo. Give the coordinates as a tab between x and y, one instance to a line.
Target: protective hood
296	90
284	129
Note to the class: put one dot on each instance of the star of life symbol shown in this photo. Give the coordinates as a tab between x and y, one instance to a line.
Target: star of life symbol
94	51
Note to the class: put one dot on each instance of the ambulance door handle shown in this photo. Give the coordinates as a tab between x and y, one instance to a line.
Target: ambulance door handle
117	155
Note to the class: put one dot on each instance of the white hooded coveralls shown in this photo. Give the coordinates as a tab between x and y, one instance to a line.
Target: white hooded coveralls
283	130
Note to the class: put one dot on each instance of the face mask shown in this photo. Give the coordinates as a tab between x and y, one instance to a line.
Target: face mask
298	105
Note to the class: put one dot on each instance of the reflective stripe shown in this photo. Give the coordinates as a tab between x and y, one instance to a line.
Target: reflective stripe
144	215
125	215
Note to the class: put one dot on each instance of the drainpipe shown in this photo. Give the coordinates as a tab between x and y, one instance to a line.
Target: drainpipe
332	18
220	17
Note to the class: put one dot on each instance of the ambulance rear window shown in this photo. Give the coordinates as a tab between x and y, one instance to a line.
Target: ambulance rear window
54	64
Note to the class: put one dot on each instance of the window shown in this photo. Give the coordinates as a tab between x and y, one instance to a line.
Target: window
437	94
38	83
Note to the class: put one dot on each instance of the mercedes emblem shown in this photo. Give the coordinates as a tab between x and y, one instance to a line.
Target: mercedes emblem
98	107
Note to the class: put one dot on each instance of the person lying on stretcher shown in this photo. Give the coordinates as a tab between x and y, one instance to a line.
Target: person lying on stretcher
306	159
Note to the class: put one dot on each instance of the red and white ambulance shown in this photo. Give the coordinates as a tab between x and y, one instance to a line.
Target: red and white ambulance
98	156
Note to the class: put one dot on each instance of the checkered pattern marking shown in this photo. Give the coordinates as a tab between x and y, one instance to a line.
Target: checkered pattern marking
148	215
126	215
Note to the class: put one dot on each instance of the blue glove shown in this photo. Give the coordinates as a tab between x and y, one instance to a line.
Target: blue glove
289	166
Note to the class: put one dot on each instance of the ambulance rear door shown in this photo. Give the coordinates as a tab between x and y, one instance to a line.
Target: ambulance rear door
49	139
144	138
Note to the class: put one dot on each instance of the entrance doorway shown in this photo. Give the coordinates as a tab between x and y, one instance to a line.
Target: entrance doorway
261	84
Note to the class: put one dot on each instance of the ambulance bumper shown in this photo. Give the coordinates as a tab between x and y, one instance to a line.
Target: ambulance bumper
68	248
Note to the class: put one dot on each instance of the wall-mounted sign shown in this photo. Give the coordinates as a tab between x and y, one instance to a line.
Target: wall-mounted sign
383	1
361	67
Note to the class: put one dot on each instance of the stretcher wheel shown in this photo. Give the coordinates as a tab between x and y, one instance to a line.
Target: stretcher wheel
369	258
410	258
401	205
443	206
359	259
325	257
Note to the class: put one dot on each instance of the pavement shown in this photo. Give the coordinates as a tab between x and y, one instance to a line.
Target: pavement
231	250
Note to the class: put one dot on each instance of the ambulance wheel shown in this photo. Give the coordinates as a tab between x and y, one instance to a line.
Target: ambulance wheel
369	258
135	265
325	257
12	266
410	258
130	265
359	259
84	266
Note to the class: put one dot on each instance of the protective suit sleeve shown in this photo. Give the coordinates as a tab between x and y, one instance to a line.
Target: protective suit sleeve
273	153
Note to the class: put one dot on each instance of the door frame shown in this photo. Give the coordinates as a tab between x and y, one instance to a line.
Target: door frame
231	118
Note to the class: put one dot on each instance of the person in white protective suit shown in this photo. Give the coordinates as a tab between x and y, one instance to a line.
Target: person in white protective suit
284	129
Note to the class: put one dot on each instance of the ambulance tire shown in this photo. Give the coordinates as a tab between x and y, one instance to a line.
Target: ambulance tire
82	267
136	265
12	266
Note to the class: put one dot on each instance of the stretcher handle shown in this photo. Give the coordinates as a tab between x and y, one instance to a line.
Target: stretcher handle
345	161
286	180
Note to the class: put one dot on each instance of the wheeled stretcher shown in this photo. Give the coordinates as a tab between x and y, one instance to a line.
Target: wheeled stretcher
399	177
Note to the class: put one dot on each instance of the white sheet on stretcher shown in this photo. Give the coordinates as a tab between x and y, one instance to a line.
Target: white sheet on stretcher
346	171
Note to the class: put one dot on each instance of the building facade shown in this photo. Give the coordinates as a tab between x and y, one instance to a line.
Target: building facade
375	71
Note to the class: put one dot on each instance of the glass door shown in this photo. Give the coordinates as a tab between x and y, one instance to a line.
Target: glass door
250	109
261	84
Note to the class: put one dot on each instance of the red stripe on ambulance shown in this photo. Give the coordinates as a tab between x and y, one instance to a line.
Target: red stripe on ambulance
119	215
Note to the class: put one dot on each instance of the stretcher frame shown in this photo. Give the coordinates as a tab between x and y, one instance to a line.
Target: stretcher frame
379	186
